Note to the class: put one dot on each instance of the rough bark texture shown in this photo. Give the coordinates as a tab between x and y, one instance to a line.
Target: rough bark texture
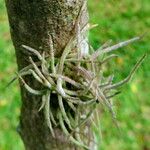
30	23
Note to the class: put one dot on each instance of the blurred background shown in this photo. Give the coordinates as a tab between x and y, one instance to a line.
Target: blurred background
118	20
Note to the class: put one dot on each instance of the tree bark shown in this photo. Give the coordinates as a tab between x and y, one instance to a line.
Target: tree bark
30	23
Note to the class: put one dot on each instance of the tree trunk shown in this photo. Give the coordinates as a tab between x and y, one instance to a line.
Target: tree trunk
30	23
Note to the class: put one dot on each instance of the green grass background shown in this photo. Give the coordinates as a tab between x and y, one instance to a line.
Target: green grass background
118	20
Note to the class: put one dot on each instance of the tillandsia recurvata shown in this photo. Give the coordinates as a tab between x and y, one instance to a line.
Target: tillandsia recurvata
77	81
88	88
